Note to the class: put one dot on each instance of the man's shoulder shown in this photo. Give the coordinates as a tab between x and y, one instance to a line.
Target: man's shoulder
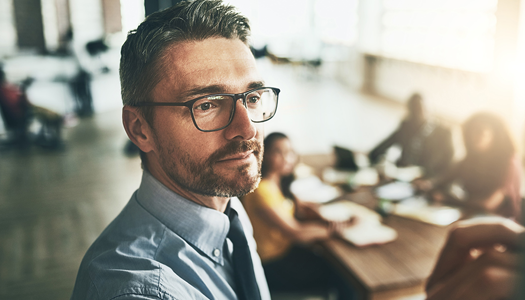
124	261
132	277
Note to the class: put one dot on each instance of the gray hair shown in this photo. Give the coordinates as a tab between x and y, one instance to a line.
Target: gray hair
143	52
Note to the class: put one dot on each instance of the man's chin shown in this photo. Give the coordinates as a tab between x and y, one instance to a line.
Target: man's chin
246	187
244	177
241	181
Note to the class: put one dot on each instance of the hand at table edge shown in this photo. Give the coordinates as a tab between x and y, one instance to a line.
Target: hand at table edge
479	261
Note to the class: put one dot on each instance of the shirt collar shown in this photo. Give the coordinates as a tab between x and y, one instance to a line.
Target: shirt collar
202	227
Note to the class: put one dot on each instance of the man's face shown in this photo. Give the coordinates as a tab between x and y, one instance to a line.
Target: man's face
222	163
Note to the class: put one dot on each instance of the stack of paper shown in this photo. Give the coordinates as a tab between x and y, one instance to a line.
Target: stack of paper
367	229
363	177
312	189
417	208
366	234
396	191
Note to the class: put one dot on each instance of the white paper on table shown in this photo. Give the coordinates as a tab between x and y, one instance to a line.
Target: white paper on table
408	174
312	189
344	210
334	176
397	190
369	233
365	176
417	208
367	229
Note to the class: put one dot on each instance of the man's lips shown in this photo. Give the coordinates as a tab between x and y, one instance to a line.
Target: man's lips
237	156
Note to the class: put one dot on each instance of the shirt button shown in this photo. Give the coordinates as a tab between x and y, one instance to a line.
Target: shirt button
216	252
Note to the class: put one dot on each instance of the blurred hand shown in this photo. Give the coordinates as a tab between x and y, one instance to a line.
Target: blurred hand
422	185
337	228
307	210
437	196
479	261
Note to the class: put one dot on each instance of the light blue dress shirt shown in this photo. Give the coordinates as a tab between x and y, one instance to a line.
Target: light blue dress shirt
163	246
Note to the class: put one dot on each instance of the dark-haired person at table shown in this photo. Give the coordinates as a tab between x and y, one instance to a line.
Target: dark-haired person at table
423	141
15	111
282	240
490	173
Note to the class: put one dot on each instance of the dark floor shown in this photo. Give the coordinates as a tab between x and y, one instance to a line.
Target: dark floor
54	204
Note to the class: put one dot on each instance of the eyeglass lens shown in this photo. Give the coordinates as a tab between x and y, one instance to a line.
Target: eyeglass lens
215	111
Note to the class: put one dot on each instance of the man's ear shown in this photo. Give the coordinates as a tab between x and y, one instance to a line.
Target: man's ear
138	130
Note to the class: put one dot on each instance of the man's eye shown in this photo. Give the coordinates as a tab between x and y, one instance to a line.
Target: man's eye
204	106
253	99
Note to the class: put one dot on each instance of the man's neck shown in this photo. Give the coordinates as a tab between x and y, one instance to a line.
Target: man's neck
213	202
217	203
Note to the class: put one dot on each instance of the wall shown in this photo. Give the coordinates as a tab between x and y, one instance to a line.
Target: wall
450	93
7	29
112	16
28	20
40	24
87	20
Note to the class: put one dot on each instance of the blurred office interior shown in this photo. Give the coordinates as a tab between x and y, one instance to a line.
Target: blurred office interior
345	68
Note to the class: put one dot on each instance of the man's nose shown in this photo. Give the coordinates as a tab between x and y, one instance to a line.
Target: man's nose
241	126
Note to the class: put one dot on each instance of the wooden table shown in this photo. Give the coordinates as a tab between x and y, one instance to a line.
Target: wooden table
395	270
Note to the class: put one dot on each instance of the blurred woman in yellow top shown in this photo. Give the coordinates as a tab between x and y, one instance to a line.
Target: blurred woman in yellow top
282	240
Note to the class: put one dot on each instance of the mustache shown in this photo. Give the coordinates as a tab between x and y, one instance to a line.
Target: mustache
235	148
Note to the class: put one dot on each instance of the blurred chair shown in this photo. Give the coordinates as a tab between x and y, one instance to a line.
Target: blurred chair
16	112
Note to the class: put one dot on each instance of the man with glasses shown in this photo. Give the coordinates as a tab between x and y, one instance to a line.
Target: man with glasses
193	104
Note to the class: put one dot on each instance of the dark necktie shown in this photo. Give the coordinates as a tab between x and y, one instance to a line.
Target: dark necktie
247	288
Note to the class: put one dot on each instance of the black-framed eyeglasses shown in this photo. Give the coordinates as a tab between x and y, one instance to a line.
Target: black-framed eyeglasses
215	112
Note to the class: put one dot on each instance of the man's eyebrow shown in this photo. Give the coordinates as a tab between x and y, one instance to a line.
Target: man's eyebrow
255	85
210	89
216	89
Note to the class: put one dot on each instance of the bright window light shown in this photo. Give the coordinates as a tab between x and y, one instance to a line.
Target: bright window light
290	25
132	14
455	34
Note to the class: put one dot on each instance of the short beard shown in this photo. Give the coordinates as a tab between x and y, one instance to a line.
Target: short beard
200	178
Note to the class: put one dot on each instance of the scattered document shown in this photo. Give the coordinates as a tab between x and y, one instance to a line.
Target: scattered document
333	176
363	177
408	174
344	210
395	191
312	189
367	234
417	208
367	229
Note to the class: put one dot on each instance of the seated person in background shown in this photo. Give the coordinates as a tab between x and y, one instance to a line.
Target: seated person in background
18	112
281	239
490	173
423	141
15	109
482	260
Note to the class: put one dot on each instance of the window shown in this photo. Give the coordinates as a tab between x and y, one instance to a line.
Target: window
456	34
